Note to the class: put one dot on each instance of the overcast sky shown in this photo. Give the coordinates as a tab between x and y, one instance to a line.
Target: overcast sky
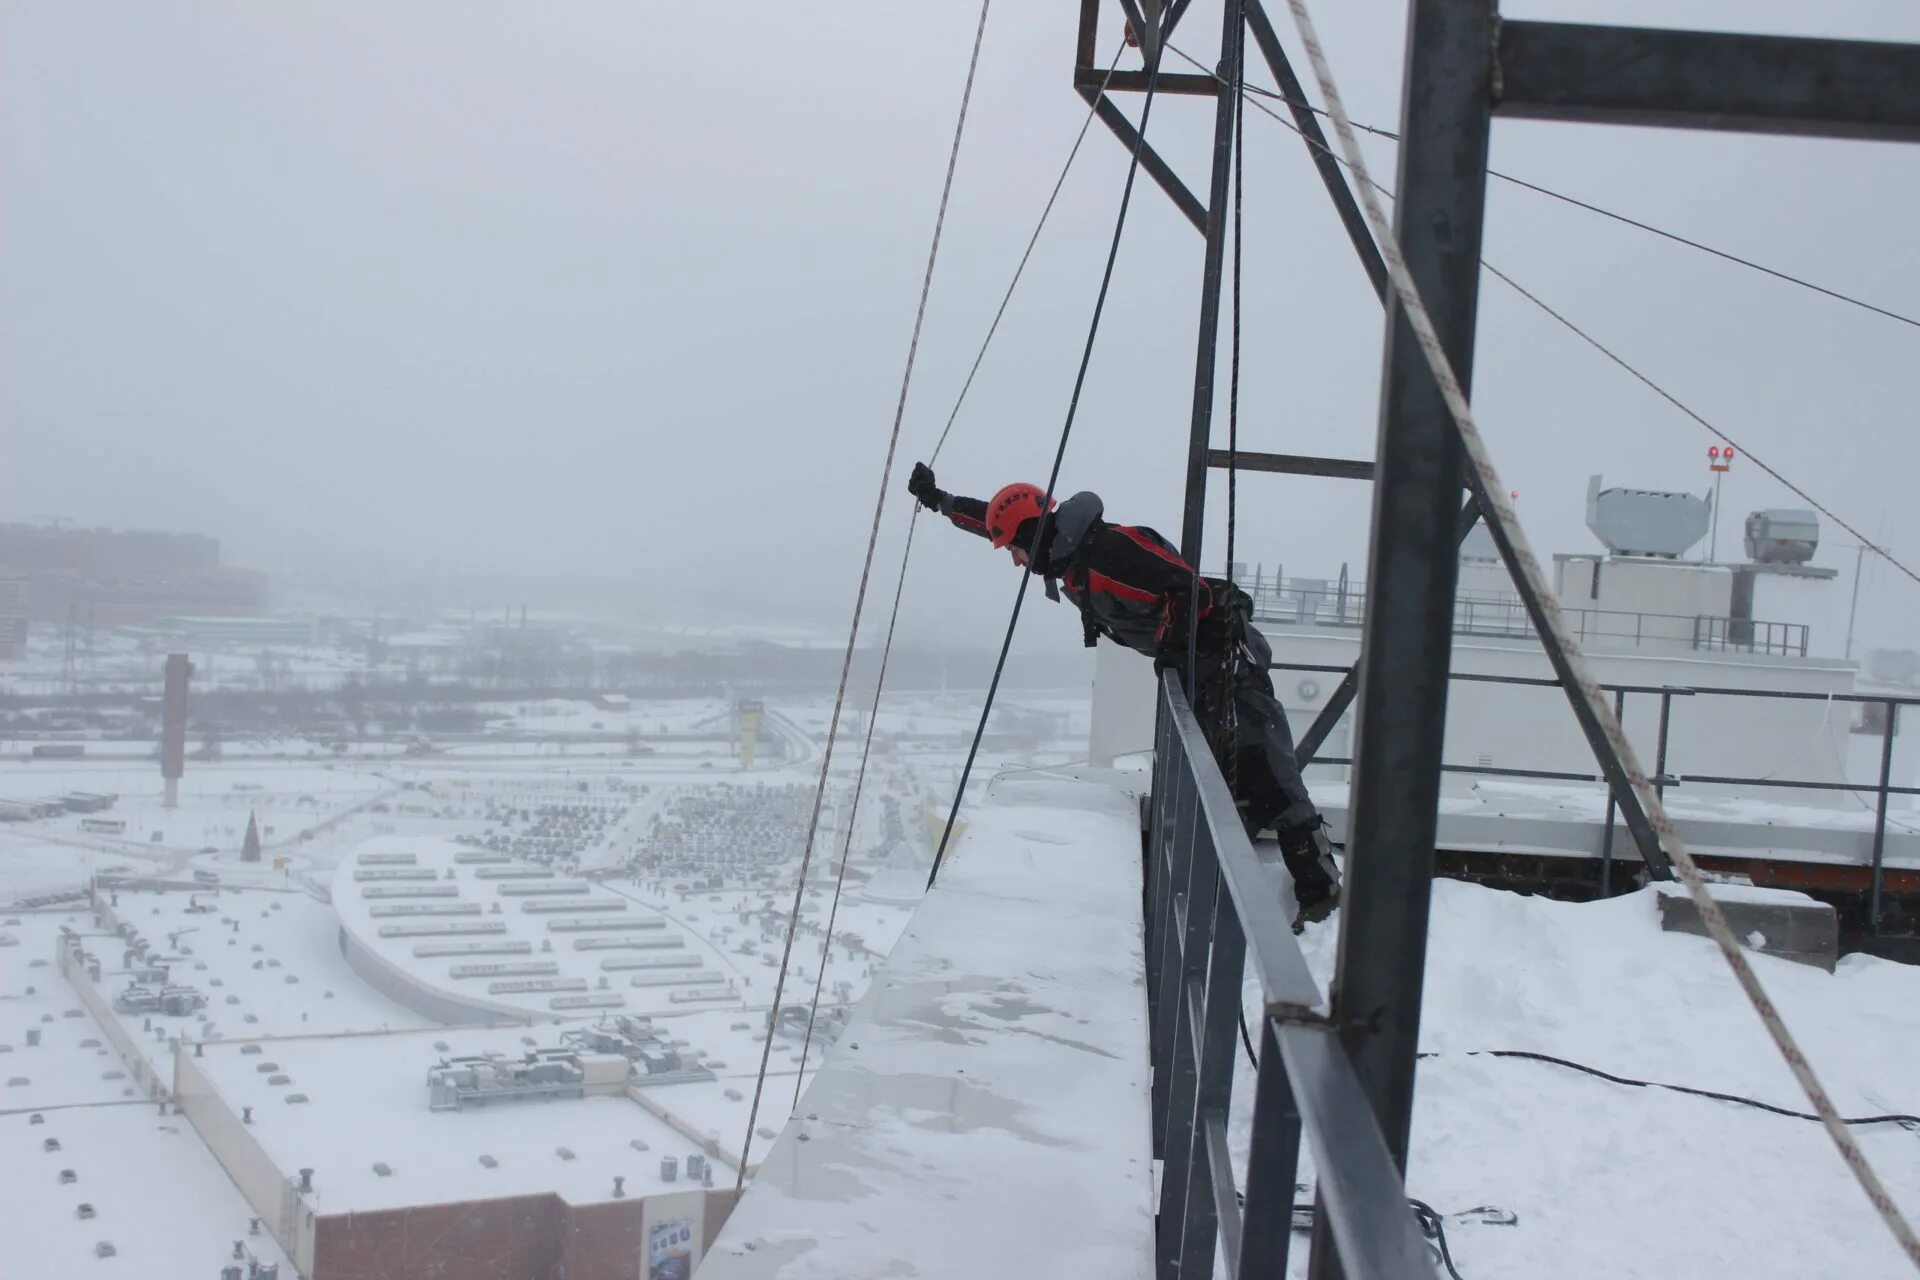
431	289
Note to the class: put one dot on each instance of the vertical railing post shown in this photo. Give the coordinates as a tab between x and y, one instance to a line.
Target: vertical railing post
1606	836
1182	1059
1216	1044
1273	1161
1880	817
1660	748
1181	819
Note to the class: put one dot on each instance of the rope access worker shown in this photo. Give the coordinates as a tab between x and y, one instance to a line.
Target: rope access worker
1133	588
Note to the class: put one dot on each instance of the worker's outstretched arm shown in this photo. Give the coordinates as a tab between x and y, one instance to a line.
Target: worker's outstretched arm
965	513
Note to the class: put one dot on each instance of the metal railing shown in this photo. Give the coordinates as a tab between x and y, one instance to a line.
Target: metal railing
1880	716
1343	603
1214	905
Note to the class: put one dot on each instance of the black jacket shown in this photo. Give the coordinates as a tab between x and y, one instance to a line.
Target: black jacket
1127	581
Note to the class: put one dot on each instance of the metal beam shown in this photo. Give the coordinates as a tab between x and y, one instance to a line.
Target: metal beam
1200	428
1293	464
1708	80
1413	568
1193	84
1268	42
1157	168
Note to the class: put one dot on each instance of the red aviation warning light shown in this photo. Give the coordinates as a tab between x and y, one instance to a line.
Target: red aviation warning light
1719	459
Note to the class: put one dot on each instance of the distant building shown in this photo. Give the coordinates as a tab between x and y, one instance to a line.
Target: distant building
120	577
13	616
231	630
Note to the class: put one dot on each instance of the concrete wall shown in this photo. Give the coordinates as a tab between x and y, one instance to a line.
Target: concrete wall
1531	727
1124	689
510	1239
539	1237
100	1006
253	1171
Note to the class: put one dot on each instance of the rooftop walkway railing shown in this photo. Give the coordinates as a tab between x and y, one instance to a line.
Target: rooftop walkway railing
1214	906
1319	602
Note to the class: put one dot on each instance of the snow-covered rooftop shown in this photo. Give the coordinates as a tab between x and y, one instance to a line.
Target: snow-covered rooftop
158	1198
364	1100
511	937
985	1112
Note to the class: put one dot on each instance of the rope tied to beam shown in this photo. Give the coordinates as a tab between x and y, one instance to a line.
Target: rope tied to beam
1497	509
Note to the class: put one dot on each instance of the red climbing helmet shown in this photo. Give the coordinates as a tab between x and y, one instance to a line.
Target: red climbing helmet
1012	507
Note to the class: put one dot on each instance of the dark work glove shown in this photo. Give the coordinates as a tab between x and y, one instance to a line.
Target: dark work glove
921	485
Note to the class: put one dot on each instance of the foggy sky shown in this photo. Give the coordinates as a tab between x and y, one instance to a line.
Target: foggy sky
395	292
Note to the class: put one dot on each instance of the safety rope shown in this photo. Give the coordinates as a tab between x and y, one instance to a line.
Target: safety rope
1367	180
906	558
1497	507
1043	525
860	598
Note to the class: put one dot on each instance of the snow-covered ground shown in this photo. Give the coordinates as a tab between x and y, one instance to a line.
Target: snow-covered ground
1614	1182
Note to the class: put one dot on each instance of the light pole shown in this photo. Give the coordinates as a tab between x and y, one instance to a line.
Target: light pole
1853	610
1718	460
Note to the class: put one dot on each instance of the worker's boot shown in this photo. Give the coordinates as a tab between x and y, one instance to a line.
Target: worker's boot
1316	881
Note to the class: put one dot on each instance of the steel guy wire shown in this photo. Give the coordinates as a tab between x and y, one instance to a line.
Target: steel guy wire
1367	180
899	588
1786	276
1045	519
860	598
1497	508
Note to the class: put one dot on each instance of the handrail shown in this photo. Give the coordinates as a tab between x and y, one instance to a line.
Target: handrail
1664	778
1212	900
1332	603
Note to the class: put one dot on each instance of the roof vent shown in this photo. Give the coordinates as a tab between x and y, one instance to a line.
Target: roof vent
488	1162
565	1153
84	1211
1782	535
383	1169
298	1097
1646	522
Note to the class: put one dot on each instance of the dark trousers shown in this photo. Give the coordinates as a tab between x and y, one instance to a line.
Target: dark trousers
1234	690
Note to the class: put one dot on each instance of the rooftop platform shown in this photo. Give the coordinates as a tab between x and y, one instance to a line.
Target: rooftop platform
986	1111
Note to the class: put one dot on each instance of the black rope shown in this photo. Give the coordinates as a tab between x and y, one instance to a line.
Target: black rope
906	558
1890	1118
1435	1228
1042	525
1614	356
1786	276
860	598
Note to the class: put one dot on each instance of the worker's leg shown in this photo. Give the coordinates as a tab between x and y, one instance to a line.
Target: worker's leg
1273	793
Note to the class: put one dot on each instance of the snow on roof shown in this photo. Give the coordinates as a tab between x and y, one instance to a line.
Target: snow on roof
72	1064
1703	1187
367	1103
158	1197
268	962
985	1113
516	938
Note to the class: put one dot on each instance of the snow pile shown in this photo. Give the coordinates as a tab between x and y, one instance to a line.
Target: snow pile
1614	1181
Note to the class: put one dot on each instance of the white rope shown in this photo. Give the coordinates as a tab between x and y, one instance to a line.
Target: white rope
1496	506
860	600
